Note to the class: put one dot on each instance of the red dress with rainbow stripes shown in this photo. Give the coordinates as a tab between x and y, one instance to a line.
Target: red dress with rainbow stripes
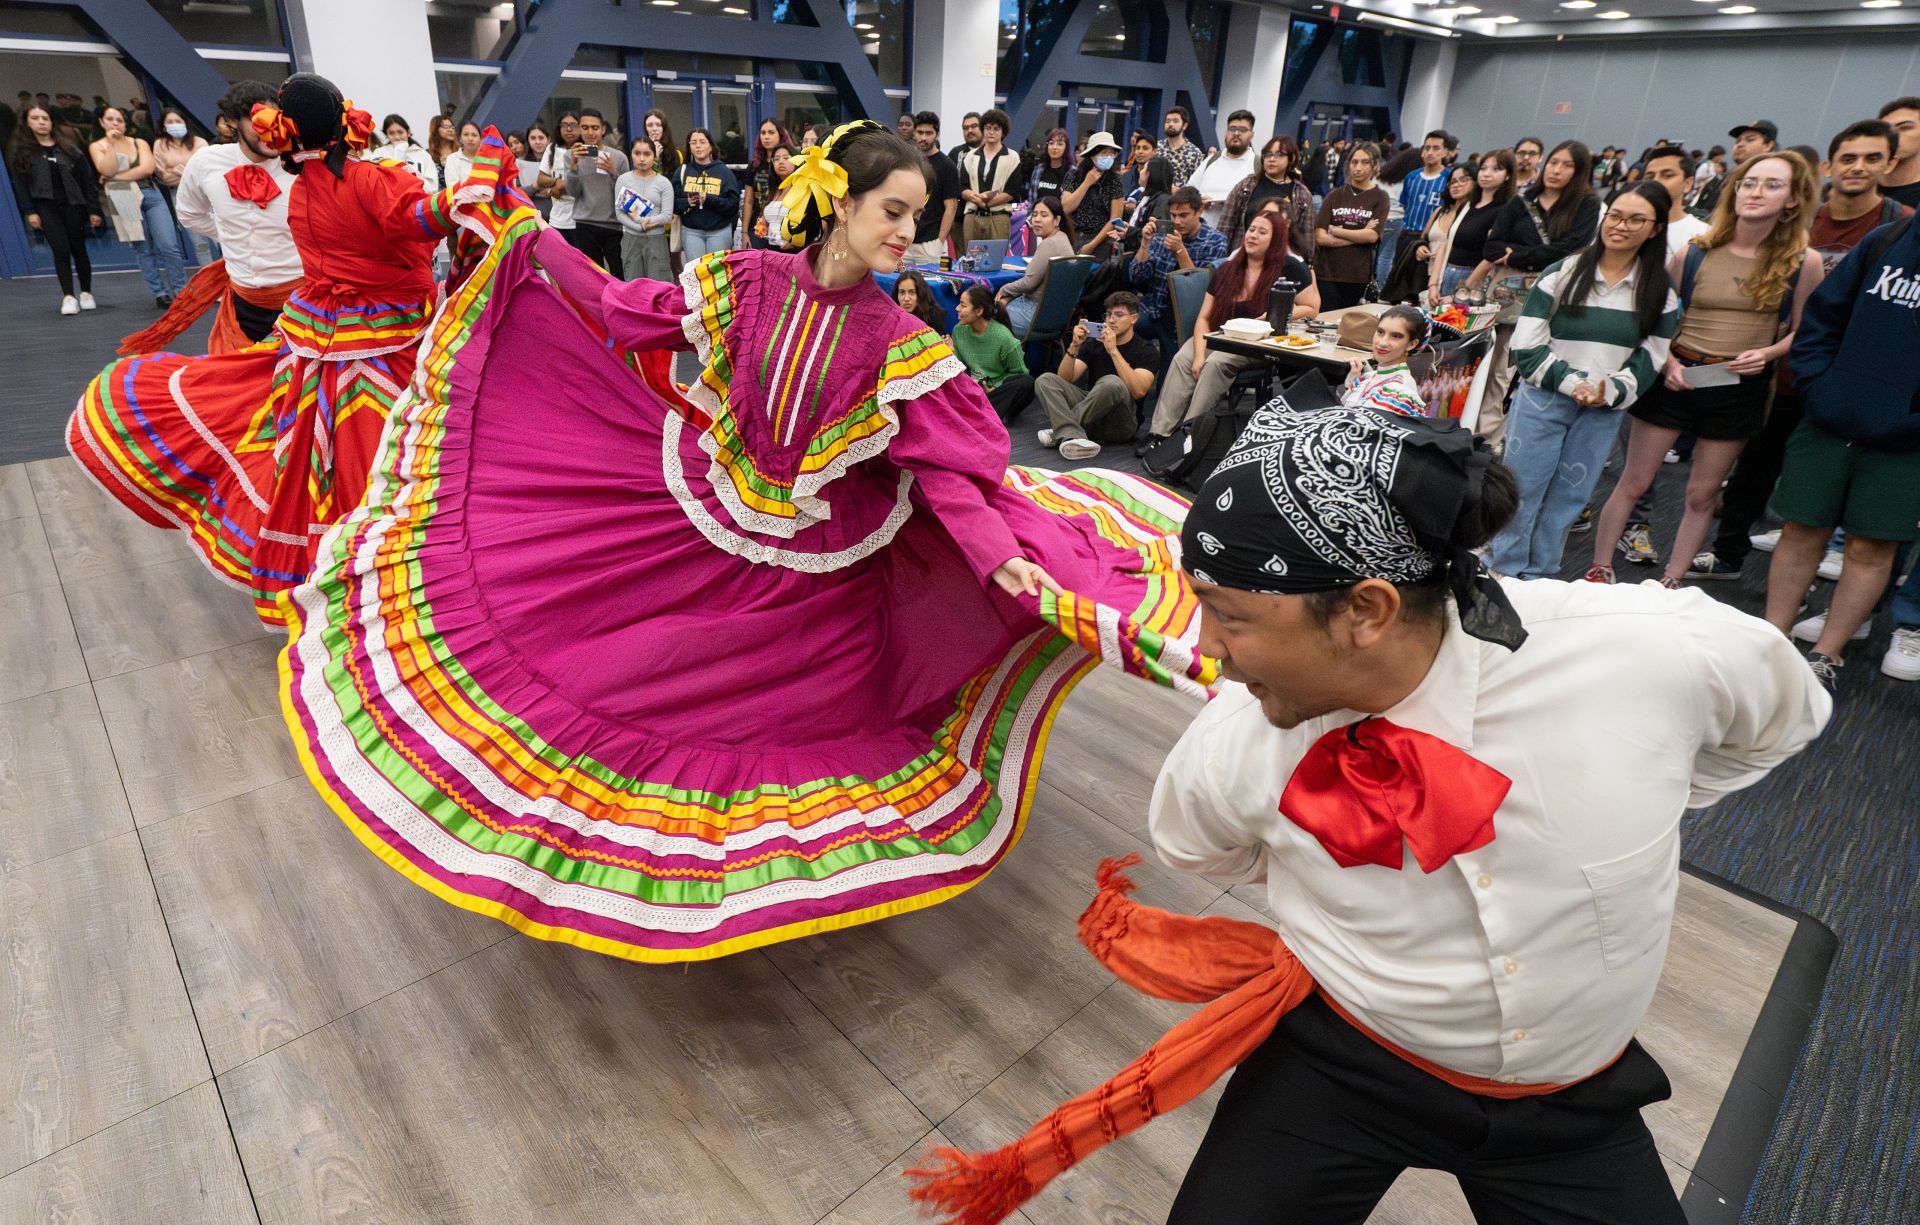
254	454
670	673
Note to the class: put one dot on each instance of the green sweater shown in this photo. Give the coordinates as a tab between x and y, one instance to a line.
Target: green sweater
990	358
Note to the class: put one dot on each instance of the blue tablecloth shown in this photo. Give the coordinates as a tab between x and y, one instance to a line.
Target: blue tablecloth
948	286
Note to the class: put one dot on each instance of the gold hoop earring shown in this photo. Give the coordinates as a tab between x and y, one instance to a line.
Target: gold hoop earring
837	246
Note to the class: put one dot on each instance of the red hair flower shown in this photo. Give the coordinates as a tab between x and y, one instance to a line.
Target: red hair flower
357	123
275	130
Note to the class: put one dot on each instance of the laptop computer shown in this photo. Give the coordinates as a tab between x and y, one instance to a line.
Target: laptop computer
987	253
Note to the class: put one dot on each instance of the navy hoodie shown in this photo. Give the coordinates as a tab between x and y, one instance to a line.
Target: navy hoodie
1856	355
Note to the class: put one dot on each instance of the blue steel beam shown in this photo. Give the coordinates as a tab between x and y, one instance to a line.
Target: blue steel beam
1178	72
147	38
556	30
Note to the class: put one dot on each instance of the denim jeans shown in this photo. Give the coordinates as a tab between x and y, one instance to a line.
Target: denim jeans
1383	254
158	254
1555	449
1450	279
1020	314
696	243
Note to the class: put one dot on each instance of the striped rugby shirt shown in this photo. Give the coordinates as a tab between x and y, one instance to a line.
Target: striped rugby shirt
1556	350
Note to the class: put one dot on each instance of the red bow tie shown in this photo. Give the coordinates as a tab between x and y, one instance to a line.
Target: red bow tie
252	184
1363	788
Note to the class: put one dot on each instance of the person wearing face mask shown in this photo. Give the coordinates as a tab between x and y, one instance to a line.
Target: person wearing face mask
1096	193
172	149
831	488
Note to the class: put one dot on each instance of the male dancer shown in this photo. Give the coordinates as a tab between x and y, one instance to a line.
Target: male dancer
236	194
1473	904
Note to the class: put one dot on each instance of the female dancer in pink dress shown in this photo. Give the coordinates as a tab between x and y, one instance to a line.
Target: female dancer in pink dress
672	673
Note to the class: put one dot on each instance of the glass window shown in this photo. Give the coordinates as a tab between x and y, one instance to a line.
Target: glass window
791	12
675	104
1300	48
50	22
727	124
882	27
1027	28
1210	41
607	97
469	29
714	65
246	23
458	91
1118	31
727	10
1362	58
796	109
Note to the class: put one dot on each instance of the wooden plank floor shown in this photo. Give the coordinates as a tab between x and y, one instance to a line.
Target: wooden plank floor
219	1008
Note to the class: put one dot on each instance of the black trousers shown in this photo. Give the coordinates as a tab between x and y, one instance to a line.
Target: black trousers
600	244
255	321
1339	295
65	228
1750	487
1012	397
1317	1124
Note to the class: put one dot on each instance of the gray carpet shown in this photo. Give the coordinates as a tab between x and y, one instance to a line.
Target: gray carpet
1836	833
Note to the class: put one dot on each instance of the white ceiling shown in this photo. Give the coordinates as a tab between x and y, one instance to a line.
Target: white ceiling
1552	19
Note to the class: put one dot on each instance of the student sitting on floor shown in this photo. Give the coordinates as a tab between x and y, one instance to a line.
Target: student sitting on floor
990	353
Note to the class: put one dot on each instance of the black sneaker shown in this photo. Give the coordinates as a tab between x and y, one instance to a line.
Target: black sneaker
163	301
1707	567
1826	669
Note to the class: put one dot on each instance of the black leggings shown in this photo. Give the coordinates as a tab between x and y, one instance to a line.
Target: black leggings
65	227
1011	397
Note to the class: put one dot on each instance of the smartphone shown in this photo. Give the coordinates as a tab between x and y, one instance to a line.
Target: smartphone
1094	329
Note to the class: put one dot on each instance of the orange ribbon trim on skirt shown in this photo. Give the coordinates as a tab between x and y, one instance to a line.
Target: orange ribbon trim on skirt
1247	978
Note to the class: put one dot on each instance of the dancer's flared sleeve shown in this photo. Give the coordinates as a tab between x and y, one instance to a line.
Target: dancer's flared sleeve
646	315
952	441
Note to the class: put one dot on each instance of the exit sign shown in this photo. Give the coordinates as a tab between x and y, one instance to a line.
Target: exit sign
1563	108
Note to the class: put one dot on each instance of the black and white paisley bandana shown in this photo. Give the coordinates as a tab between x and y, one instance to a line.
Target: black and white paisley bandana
1317	501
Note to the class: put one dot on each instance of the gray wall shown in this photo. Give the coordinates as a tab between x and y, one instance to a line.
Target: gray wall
1630	92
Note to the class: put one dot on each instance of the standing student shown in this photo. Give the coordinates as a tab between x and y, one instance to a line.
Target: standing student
1050	174
402	148
1546	222
442	143
1902	180
139	213
1742	286
591	171
970	137
59	194
1750	140
552	180
1430	251
1220	172
457	168
643	200
1466	237
761	185
539	140
774	215
1349	227
991	353
173	148
1857	159
1592	338
1526	161
1277	182
706	197
1422	194
1095	195
1182	153
990	181
933	234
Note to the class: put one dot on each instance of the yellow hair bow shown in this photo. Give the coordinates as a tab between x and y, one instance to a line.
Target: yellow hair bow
817	180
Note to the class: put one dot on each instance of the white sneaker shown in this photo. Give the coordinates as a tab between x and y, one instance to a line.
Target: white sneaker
1902	660
1045	438
1079	448
1671	457
1810	630
1765	541
69	306
86	302
1830	565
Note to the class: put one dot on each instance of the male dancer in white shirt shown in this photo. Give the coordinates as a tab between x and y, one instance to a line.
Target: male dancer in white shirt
1418	760
1374	668
235	194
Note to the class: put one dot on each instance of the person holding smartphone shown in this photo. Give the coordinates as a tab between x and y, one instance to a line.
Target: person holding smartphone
592	170
1094	397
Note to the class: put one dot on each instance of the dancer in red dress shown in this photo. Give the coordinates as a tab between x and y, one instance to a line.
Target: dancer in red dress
255	454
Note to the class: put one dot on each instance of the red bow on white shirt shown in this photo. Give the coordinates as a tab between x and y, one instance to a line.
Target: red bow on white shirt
252	184
1364	788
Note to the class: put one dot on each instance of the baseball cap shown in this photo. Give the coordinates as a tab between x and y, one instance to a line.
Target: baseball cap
1766	127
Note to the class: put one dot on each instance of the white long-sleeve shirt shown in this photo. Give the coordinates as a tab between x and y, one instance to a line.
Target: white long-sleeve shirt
254	241
1533	959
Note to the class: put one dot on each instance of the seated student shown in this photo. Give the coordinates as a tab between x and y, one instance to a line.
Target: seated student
991	354
1198	378
1386	382
1095	395
1021	298
912	294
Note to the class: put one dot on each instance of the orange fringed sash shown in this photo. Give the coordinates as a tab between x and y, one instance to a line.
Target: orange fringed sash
1247	978
208	286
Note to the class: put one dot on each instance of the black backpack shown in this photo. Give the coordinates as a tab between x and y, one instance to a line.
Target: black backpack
1189	455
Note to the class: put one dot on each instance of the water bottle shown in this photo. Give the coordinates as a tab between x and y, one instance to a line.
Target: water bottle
1280	307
